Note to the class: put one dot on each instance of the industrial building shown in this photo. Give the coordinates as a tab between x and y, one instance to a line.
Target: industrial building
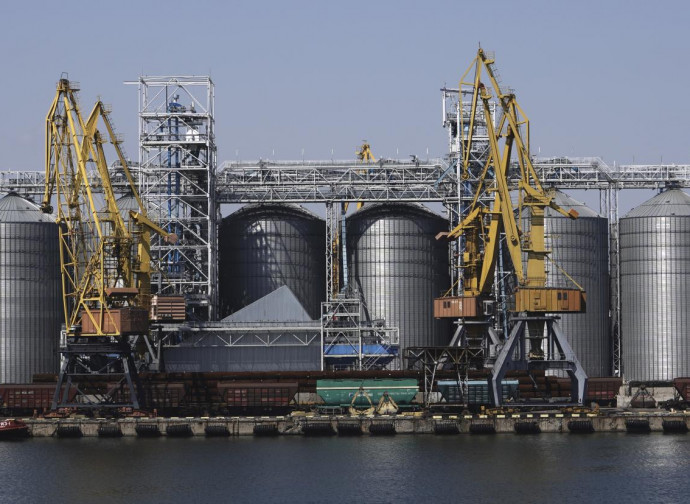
274	286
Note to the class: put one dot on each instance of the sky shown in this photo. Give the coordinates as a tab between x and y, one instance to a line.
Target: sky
313	79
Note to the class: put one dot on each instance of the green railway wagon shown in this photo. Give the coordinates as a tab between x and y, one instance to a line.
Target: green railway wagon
339	393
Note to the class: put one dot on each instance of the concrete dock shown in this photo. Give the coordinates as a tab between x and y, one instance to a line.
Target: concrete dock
532	423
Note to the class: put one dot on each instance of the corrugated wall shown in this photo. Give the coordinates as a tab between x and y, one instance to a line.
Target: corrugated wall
30	300
655	288
263	247
580	248
399	267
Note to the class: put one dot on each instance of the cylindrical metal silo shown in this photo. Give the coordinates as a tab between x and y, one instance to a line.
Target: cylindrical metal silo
655	288
30	291
580	248
263	247
399	268
124	203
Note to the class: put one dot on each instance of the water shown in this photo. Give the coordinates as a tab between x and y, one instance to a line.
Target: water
546	468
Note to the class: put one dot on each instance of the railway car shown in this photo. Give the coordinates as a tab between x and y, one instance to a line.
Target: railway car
25	399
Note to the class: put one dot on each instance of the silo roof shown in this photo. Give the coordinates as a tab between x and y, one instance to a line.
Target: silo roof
14	208
273	208
128	202
673	202
566	202
396	208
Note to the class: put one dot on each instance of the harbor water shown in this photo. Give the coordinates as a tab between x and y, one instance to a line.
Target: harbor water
544	468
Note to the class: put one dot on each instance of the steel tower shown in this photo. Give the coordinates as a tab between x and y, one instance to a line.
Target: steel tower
177	179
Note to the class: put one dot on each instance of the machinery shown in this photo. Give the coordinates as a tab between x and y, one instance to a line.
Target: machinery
385	406
364	153
494	229
104	256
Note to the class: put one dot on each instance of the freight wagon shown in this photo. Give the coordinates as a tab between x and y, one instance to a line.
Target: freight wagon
257	398
477	392
212	397
338	394
25	399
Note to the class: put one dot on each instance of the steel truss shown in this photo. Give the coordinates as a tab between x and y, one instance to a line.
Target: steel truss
248	335
468	156
176	176
527	335
433	359
333	181
107	361
350	342
387	180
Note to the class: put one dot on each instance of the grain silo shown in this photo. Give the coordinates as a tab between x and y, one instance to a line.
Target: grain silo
396	263
580	248
30	291
263	247
655	288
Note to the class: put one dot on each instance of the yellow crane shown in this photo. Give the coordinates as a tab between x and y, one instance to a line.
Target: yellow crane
105	261
483	226
364	153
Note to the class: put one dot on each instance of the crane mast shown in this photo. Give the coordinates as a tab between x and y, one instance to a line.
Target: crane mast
488	228
105	262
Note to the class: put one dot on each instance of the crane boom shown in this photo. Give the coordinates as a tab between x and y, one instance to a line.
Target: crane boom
99	267
104	255
484	225
500	228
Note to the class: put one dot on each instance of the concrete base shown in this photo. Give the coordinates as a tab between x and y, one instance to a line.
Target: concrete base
613	421
660	394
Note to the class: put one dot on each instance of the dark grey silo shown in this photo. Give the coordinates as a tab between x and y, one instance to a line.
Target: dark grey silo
30	291
655	288
580	247
399	267
263	247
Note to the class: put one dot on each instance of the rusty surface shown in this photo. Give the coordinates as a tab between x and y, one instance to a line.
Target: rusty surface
456	307
121	321
549	300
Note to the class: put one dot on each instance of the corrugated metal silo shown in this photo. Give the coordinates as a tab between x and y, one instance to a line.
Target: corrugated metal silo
655	288
125	203
262	247
399	267
30	291
580	248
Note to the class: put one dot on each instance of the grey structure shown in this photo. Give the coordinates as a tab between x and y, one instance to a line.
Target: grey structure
273	333
655	288
263	247
580	248
398	266
125	203
30	291
191	358
281	305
